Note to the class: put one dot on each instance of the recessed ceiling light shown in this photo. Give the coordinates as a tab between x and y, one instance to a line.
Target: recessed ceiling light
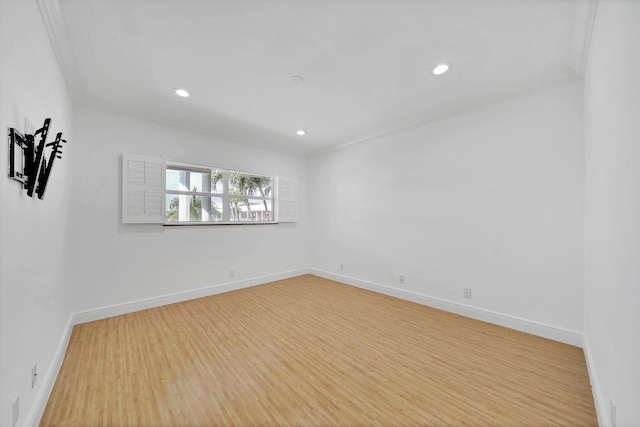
297	80
301	132
181	92
441	68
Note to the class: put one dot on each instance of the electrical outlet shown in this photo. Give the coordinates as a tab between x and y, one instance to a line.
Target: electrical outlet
34	375
467	293
402	279
341	267
613	413
16	410
232	273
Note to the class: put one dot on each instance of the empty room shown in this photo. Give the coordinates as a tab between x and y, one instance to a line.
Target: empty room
322	213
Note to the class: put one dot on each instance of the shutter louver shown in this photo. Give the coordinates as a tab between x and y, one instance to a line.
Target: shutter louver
287	200
142	189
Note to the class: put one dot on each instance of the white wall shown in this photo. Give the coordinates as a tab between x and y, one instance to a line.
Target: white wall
491	199
612	214
116	263
35	295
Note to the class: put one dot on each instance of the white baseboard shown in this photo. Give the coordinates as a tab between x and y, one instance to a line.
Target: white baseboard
49	379
601	406
524	325
133	306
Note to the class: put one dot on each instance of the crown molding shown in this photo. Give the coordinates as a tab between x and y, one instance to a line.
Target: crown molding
585	17
54	23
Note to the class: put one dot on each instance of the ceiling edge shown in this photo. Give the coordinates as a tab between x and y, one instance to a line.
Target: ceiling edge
455	109
53	20
585	17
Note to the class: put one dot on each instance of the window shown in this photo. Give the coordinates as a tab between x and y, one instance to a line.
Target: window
196	194
155	191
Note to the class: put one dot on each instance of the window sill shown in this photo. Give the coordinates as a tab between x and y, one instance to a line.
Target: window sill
182	224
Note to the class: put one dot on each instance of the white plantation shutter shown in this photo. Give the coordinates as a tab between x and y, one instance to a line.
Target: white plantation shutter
142	189
287	200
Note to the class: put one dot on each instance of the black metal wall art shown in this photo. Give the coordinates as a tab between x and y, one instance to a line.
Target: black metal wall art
28	163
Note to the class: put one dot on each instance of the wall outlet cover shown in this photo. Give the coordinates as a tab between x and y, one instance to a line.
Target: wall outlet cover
34	375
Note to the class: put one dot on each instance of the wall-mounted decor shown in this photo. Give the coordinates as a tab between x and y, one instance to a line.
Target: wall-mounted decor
28	162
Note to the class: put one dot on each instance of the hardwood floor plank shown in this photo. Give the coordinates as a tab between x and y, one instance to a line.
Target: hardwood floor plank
310	351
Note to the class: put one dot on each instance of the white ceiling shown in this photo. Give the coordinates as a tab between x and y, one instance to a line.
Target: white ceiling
366	64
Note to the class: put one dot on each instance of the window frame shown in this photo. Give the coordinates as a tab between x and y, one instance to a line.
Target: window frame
226	195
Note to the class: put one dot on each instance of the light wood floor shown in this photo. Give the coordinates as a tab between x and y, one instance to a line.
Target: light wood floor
309	351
